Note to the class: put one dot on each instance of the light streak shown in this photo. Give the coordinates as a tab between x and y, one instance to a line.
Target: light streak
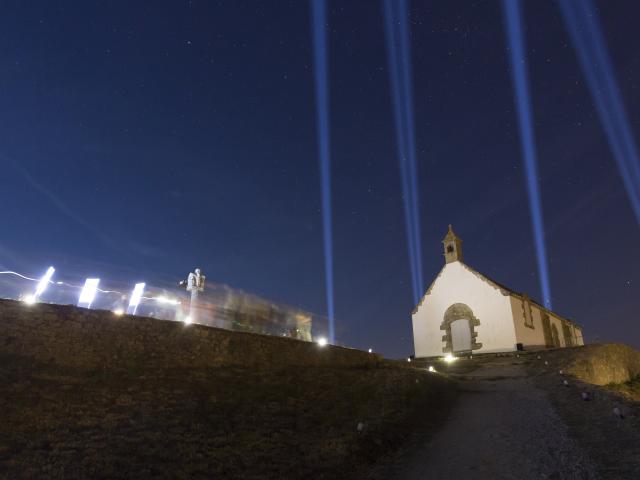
162	299
44	282
88	292
515	39
57	202
9	272
581	20
134	301
321	74
97	289
399	60
106	291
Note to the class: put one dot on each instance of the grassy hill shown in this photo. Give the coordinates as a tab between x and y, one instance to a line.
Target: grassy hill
85	394
68	417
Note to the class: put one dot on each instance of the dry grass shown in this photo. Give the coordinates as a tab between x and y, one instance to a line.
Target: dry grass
630	388
612	443
600	364
208	423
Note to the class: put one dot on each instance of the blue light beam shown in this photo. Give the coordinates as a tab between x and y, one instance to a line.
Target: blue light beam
407	83
399	120
321	73
399	61
581	20
515	39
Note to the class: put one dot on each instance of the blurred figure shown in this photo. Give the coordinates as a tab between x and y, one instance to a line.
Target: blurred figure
195	285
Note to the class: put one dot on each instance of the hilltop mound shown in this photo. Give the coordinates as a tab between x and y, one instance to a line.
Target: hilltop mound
602	364
85	394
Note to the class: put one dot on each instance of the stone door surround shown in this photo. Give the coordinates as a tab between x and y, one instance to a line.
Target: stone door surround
459	311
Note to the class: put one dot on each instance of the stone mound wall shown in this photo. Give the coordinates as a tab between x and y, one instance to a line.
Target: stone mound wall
604	364
77	337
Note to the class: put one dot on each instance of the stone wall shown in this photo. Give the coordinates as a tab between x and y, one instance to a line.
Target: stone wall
94	339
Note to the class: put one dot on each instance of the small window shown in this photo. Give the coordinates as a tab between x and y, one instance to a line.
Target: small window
527	313
450	248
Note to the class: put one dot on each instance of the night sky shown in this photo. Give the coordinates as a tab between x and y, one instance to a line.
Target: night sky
142	139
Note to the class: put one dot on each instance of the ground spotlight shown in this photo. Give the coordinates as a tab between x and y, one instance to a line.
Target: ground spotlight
322	342
188	320
118	311
449	358
29	299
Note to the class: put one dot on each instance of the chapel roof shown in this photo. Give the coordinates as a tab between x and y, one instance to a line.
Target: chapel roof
504	289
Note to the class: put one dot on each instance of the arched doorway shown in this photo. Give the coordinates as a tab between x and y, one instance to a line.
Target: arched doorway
459	326
460	335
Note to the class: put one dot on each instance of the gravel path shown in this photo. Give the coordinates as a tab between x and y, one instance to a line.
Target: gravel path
502	427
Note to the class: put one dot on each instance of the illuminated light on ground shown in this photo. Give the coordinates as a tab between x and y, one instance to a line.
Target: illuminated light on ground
88	292
321	74
44	281
118	312
370	350
581	20
322	342
29	299
515	40
188	320
136	295
396	16
449	358
431	369
409	359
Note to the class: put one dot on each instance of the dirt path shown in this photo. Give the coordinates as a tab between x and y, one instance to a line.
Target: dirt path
502	427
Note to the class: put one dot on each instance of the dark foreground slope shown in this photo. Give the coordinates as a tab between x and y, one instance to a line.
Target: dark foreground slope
523	415
611	441
87	395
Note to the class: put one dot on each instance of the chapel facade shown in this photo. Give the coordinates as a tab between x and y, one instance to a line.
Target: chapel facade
464	312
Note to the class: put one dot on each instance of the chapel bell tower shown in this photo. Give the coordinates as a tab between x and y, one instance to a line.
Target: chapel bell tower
452	247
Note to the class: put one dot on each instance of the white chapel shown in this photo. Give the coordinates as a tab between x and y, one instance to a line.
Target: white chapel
463	311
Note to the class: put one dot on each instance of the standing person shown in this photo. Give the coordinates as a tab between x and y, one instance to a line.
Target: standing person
195	285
